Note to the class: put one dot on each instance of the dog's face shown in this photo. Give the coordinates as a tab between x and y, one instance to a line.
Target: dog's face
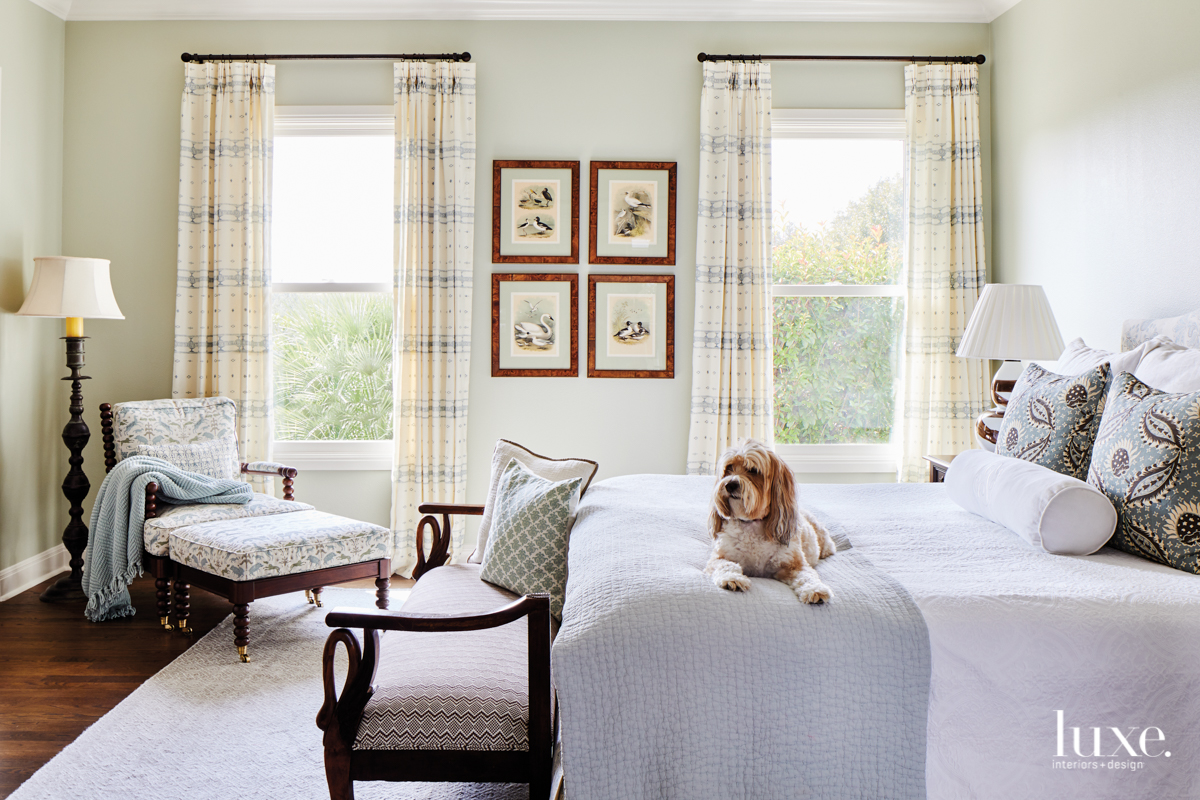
752	484
743	483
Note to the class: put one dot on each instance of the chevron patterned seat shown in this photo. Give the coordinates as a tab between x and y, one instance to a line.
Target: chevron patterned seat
458	690
450	691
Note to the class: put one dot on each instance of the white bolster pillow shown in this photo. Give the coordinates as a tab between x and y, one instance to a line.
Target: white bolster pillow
1055	512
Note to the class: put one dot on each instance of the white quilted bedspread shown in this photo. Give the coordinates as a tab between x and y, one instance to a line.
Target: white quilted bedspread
1017	634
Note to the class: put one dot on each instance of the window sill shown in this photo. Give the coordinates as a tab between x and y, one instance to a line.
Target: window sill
839	458
334	455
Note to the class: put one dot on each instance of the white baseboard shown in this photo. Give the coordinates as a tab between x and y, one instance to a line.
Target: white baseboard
32	571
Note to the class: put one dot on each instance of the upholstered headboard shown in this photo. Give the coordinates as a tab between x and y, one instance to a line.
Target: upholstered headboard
1184	329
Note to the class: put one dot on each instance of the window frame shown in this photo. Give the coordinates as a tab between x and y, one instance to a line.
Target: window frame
333	454
830	123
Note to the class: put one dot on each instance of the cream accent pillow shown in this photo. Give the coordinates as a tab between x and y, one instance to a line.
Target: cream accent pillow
1170	368
552	469
1078	358
1058	513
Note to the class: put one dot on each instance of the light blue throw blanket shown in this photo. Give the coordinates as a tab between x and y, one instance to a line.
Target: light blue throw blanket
114	550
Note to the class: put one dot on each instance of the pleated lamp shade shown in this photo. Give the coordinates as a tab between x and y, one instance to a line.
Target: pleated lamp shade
1013	323
64	286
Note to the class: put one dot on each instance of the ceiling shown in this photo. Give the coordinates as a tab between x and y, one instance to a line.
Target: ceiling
673	10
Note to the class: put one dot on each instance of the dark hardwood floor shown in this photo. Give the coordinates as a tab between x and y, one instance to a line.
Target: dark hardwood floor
60	673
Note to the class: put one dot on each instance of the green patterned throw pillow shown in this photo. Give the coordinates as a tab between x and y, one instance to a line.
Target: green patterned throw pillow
527	546
1051	419
1146	459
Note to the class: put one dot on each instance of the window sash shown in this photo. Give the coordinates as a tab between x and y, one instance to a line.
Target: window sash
788	123
333	121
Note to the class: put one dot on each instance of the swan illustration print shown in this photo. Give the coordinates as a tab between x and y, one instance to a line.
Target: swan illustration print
631	321
632	213
534	327
535	212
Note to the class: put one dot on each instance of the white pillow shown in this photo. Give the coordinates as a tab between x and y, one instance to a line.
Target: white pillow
1055	512
552	469
1170	367
1078	358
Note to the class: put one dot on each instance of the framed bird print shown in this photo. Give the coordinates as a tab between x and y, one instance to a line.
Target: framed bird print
632	217
631	326
535	208
534	325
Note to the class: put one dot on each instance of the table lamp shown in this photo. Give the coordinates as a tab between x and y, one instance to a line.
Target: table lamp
1011	323
75	289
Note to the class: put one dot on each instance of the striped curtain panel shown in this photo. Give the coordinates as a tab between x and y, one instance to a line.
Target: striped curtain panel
732	380
946	265
223	291
435	229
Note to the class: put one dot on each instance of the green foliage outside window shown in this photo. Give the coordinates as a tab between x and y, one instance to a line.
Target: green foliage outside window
837	358
333	366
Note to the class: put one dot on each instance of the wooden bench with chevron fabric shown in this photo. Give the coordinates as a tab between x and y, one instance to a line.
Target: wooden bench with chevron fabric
460	689
240	552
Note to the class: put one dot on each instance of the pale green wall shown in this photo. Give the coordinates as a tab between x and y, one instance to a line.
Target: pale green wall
581	91
33	402
1097	158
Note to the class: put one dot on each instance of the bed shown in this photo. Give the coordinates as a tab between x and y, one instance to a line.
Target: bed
951	661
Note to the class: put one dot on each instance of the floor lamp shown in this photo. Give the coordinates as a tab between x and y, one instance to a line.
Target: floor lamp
75	289
1010	323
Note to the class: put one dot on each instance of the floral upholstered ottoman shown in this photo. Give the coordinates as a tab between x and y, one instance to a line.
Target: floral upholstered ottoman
247	558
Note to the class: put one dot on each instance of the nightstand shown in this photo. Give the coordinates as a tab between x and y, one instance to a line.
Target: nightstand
937	467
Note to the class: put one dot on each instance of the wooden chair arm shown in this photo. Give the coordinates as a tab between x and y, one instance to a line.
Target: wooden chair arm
439	548
271	468
450	508
377	619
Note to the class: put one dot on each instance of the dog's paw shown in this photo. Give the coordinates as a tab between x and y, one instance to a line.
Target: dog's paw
812	592
734	582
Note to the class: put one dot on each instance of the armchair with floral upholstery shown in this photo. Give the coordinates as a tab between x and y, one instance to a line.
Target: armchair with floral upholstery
148	428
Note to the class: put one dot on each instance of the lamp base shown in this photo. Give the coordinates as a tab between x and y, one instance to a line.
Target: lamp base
64	590
987	424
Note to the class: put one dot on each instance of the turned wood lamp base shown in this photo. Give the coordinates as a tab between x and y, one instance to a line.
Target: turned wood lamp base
69	588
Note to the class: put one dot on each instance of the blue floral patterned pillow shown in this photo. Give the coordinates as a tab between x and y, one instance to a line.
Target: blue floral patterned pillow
1146	460
216	459
1051	419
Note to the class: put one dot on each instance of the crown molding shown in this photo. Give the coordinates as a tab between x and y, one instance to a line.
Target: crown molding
59	8
644	10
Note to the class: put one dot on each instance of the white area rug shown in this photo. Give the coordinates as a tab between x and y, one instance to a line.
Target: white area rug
208	726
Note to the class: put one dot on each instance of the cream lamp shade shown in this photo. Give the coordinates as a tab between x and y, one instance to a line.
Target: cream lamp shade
64	286
1013	323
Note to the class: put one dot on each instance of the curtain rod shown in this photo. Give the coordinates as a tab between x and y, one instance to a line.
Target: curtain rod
199	59
979	59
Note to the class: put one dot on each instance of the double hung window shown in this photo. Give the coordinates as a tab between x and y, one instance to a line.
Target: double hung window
838	185
331	257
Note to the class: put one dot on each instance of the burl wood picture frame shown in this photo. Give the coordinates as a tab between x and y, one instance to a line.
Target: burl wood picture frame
631	217
535	212
535	325
631	326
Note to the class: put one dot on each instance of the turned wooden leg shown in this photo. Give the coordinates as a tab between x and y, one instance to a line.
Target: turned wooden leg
316	596
162	591
182	606
241	629
381	593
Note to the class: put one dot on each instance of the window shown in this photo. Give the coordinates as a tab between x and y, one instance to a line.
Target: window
331	272
838	183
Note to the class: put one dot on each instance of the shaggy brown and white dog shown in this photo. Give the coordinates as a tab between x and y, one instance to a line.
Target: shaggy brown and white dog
758	528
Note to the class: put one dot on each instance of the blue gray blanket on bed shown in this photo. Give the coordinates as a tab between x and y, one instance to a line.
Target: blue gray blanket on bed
672	688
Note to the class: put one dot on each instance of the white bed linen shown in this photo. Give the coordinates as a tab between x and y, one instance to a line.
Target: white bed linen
1017	634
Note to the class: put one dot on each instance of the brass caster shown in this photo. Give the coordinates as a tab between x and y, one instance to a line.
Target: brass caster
308	595
243	655
183	628
166	623
317	601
